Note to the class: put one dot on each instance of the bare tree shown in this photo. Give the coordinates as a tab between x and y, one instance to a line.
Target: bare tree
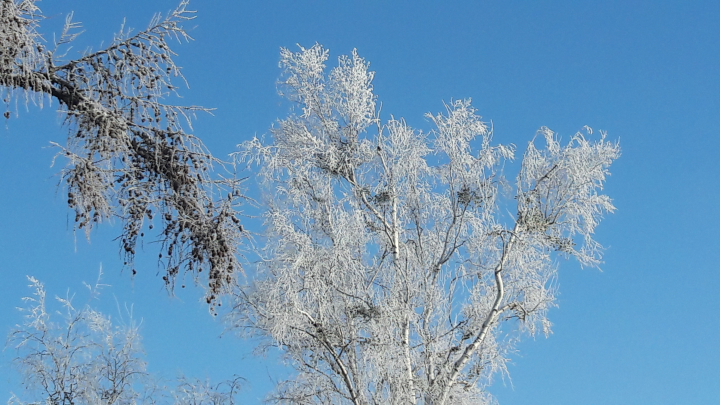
391	273
129	154
197	392
86	359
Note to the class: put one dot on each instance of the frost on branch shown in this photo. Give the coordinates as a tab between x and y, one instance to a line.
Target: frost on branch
83	359
391	273
129	155
86	358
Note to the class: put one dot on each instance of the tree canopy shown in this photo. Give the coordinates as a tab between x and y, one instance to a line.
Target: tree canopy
390	273
395	265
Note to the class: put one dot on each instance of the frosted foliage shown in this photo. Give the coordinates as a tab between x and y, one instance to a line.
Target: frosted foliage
129	154
198	392
390	273
87	359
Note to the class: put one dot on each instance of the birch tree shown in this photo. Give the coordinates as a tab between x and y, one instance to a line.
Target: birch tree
395	268
129	154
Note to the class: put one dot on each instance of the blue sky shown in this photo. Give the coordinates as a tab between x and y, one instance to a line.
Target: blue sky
644	330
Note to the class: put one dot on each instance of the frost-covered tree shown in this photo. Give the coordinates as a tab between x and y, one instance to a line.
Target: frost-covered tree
86	359
83	359
394	271
129	154
198	392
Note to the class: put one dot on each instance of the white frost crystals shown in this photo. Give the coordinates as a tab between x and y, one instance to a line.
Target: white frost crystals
86	358
82	359
390	273
130	155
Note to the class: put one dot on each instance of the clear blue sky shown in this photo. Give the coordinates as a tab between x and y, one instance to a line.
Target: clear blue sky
643	331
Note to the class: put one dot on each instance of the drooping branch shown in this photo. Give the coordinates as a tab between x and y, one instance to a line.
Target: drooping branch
130	155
